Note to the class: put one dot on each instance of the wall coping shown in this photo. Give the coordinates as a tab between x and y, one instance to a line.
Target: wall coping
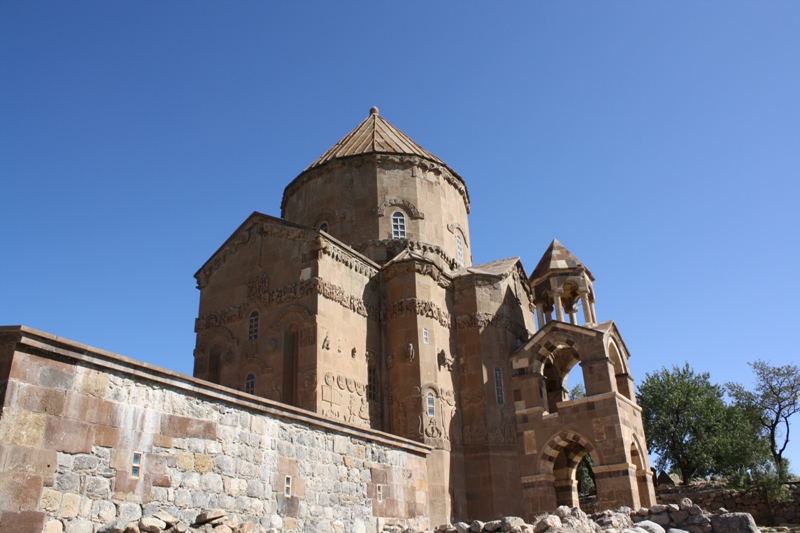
30	340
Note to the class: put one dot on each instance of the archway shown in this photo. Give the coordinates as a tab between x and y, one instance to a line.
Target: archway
624	383
642	483
561	458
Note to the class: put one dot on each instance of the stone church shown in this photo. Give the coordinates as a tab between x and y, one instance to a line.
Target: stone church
362	304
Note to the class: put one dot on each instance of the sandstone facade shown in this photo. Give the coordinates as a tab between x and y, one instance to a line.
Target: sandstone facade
361	304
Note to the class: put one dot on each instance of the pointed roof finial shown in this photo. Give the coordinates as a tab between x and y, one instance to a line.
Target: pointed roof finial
374	110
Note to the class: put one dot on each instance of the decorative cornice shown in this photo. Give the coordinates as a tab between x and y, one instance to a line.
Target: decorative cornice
408	206
346	257
409	244
287	294
426	269
356	161
496	320
425	308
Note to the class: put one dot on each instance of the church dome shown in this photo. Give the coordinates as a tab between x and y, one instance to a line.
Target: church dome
377	185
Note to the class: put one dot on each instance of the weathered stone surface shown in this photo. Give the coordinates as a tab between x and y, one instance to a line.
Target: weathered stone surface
165	517
685	504
462	527
151	524
650	526
679	516
734	523
53	526
21	521
117	526
476	526
208	516
492	526
659	508
546	523
510	521
660	519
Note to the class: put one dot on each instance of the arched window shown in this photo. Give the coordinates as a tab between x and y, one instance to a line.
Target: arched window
498	385
460	249
252	330
398	225
431	405
324	227
250	384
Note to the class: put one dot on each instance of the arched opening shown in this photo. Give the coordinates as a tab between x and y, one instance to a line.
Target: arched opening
459	250
290	356
250	384
622	377
556	371
574	478
642	484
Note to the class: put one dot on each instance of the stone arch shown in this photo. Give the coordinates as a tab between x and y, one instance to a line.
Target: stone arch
214	348
545	348
559	442
455	226
405	205
621	374
638	458
294	309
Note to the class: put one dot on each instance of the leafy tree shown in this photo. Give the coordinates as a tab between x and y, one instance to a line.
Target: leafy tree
776	398
585	476
689	426
577	392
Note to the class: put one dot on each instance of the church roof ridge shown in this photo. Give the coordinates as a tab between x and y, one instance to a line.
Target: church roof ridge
374	135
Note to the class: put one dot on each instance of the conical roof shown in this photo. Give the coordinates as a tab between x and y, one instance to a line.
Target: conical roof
374	136
557	257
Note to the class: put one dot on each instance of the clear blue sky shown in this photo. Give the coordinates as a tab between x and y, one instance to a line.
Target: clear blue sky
659	141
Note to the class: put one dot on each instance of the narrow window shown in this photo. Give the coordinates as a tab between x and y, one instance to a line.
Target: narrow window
250	384
136	464
398	225
498	385
460	250
372	383
324	227
425	335
287	487
252	331
380	493
431	405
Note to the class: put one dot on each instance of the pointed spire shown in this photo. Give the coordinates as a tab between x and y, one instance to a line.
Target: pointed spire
557	257
374	135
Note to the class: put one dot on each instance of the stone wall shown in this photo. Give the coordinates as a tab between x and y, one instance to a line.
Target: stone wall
87	437
712	496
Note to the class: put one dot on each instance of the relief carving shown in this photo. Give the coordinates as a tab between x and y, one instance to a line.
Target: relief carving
219	258
482	320
410	244
445	361
308	336
256	286
410	353
290	293
326	343
423	308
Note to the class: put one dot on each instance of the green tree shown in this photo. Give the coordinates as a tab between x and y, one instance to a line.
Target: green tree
776	398
689	426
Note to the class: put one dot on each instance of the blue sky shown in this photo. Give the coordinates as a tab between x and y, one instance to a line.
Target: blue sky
659	142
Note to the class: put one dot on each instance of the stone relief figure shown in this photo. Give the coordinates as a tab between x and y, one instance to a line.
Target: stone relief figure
445	361
363	412
410	353
326	342
353	353
390	361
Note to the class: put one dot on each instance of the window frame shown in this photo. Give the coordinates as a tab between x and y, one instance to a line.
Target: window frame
399	225
499	389
250	384
252	326
430	404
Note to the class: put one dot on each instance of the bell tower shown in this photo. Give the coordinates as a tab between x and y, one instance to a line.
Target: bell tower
560	282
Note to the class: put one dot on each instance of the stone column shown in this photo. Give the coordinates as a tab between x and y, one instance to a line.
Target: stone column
540	315
573	316
587	308
558	306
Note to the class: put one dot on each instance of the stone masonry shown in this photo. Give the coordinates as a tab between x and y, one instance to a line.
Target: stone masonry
74	420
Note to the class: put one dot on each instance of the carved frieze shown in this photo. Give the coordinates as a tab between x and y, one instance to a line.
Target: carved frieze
346	258
483	320
290	293
410	244
424	308
308	335
445	361
426	269
219	258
